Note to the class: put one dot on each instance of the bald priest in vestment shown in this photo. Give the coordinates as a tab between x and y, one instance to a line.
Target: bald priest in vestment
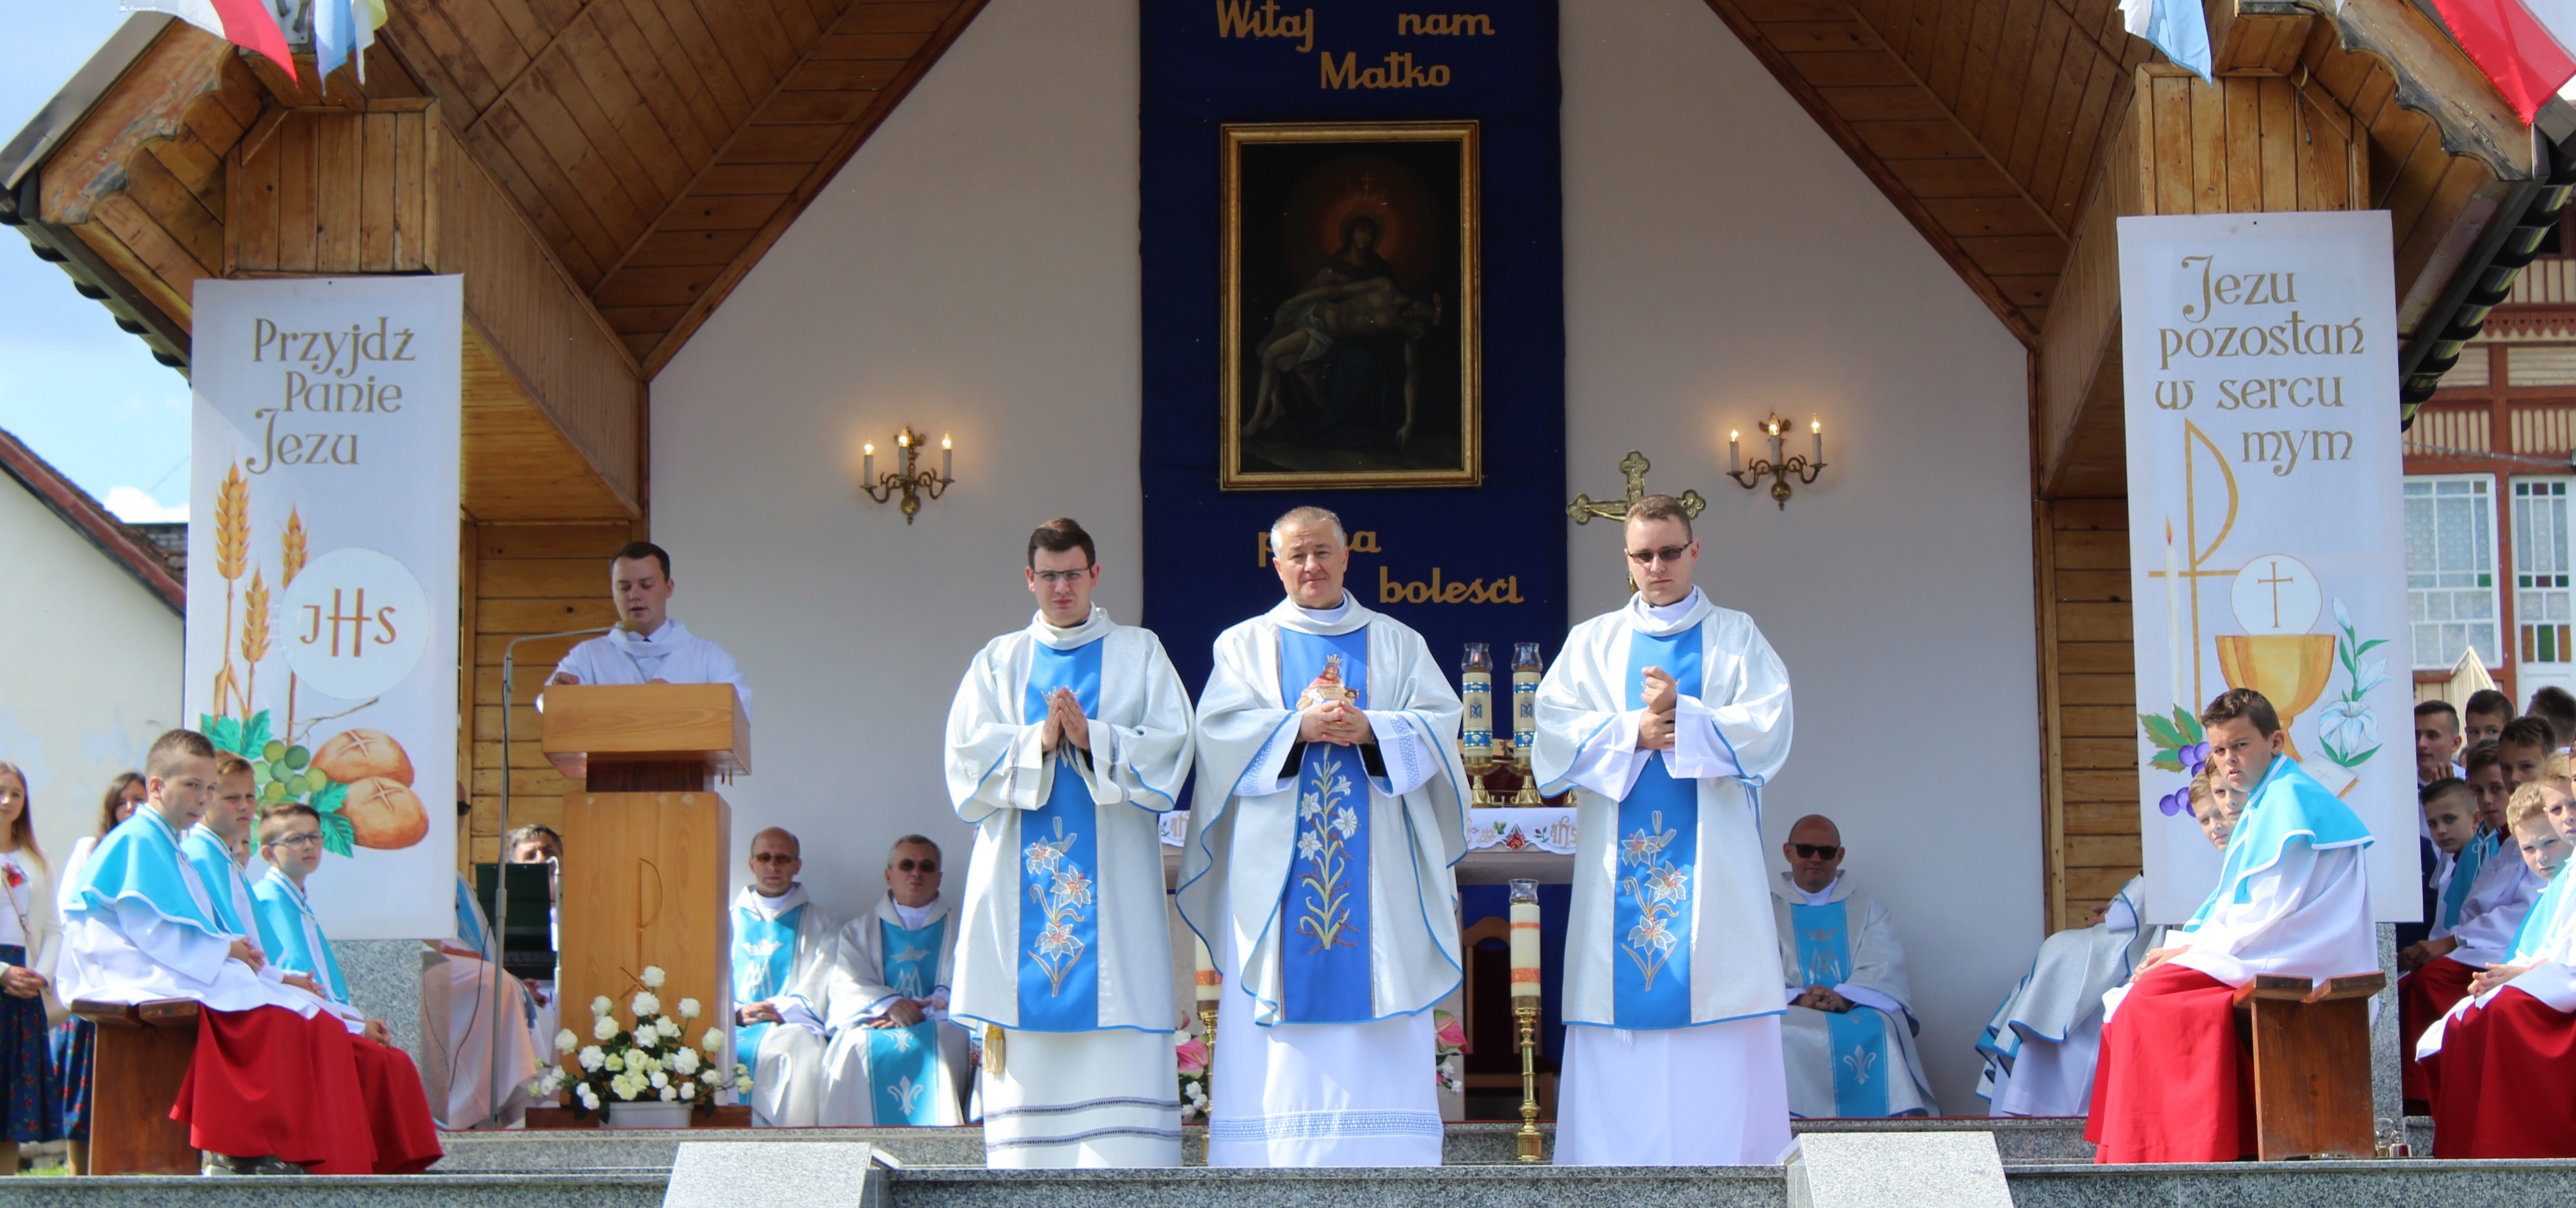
1666	718
1317	869
1066	744
2292	899
1849	1035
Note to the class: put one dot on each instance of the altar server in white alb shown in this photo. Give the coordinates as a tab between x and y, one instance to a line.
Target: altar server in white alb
648	647
897	1056
1666	718
1849	1033
1317	869
1067	741
782	964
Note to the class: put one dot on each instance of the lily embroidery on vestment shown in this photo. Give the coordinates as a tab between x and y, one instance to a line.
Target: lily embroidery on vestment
1062	900
1324	826
1660	891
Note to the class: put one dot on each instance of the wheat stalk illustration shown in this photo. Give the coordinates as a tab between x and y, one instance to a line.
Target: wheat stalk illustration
254	637
232	547
292	560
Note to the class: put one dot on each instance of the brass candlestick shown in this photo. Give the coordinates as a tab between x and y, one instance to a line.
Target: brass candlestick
1207	1036
1528	794
1526	1010
1478	761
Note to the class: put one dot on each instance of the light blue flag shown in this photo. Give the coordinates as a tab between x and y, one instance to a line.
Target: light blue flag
342	31
2177	27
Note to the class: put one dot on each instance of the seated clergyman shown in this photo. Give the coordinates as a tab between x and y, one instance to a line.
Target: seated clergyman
782	960
1848	1037
896	1057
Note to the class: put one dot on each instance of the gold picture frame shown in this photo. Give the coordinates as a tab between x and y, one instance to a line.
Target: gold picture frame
1355	250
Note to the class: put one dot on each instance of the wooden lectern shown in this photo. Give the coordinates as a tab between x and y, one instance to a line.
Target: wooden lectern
2311	1065
647	842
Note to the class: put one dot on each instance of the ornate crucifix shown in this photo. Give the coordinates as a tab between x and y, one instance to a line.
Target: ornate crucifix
1634	465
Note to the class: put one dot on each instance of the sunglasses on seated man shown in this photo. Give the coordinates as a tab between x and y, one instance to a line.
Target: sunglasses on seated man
1817	851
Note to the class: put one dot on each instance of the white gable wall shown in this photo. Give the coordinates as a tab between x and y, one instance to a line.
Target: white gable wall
89	672
974	271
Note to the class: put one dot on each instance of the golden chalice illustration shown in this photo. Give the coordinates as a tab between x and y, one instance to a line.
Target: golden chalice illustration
2289	669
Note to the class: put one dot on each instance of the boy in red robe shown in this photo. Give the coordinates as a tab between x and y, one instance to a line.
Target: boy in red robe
2173	1083
2487	1061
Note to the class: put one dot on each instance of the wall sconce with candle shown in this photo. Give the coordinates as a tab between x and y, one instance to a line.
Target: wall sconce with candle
1777	468
911	482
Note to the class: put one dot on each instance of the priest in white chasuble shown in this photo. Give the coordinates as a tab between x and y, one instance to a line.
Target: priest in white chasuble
897	1057
1317	870
1666	718
782	956
648	646
2292	899
1067	741
1848	1038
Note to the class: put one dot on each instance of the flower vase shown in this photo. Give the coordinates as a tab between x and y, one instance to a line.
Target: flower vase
648	1115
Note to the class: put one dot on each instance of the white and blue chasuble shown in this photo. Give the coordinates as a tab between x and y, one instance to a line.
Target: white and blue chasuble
1671	983
879	1073
1064	942
1860	1063
139	924
1319	877
2040	1046
782	956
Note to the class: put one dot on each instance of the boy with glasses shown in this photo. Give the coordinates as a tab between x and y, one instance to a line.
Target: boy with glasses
291	842
1666	718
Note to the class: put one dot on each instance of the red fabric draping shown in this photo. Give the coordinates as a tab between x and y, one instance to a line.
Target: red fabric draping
2511	45
406	1141
2422	997
2173	1082
270	1083
2499	1084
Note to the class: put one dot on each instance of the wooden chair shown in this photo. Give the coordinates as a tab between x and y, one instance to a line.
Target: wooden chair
142	1056
2311	1065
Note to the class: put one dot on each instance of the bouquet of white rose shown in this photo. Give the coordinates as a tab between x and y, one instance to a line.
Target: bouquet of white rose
645	1063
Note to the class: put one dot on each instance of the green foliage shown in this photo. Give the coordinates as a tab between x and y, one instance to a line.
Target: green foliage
283	771
2171	735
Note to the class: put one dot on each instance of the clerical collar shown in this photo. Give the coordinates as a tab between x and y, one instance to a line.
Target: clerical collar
1327	616
1821	896
669	633
1088	630
912	917
1665	620
1669	613
775	904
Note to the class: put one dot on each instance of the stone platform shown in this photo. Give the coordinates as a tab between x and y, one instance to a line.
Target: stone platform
2046	1165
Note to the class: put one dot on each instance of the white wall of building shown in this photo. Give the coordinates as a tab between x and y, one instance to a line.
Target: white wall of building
89	668
974	271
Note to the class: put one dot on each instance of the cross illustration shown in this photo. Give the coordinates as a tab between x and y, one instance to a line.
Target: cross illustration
2275	583
1634	465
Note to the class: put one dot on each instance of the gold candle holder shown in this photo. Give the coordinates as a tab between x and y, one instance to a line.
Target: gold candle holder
1526	1010
1476	722
1207	1036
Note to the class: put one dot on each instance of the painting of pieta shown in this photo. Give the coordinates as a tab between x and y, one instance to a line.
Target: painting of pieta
1350	314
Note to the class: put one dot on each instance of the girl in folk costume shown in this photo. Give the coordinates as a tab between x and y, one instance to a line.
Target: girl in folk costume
1066	742
30	1101
75	1041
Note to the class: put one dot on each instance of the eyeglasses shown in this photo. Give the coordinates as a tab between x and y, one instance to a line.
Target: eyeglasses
1648	557
307	839
1062	578
916	866
1817	851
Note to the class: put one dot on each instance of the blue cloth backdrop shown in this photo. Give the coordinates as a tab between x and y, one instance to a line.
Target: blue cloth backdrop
1199	558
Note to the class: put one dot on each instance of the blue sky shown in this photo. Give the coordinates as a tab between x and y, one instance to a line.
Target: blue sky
85	396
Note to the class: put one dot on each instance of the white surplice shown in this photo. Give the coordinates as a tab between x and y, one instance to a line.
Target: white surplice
122	949
2500	895
1325	1094
2040	1046
787	1081
1876	981
1730	738
860	993
1106	1095
671	654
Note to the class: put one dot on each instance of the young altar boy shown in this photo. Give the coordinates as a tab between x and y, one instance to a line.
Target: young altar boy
272	1087
2437	970
290	839
2486	1059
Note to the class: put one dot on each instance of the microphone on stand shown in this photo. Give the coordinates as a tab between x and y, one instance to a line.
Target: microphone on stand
500	880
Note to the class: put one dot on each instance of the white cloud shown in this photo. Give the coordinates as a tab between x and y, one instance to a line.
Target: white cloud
132	506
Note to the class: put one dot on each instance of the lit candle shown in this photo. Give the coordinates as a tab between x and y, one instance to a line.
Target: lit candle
1210	986
868	464
1774	426
1524	920
1734	453
1818	427
947	457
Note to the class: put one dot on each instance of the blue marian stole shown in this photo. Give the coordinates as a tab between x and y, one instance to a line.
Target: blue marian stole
2464	871
1059	922
1859	1036
1324	957
1650	914
903	1062
764	957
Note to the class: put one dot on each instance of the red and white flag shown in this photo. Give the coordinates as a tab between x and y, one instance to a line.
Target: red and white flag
2521	45
245	23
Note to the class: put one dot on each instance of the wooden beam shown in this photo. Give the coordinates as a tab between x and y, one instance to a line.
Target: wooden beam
150	102
2435	78
2256	37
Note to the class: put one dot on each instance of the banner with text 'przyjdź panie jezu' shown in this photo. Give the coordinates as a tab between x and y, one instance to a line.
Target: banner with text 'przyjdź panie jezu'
322	574
2266	540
